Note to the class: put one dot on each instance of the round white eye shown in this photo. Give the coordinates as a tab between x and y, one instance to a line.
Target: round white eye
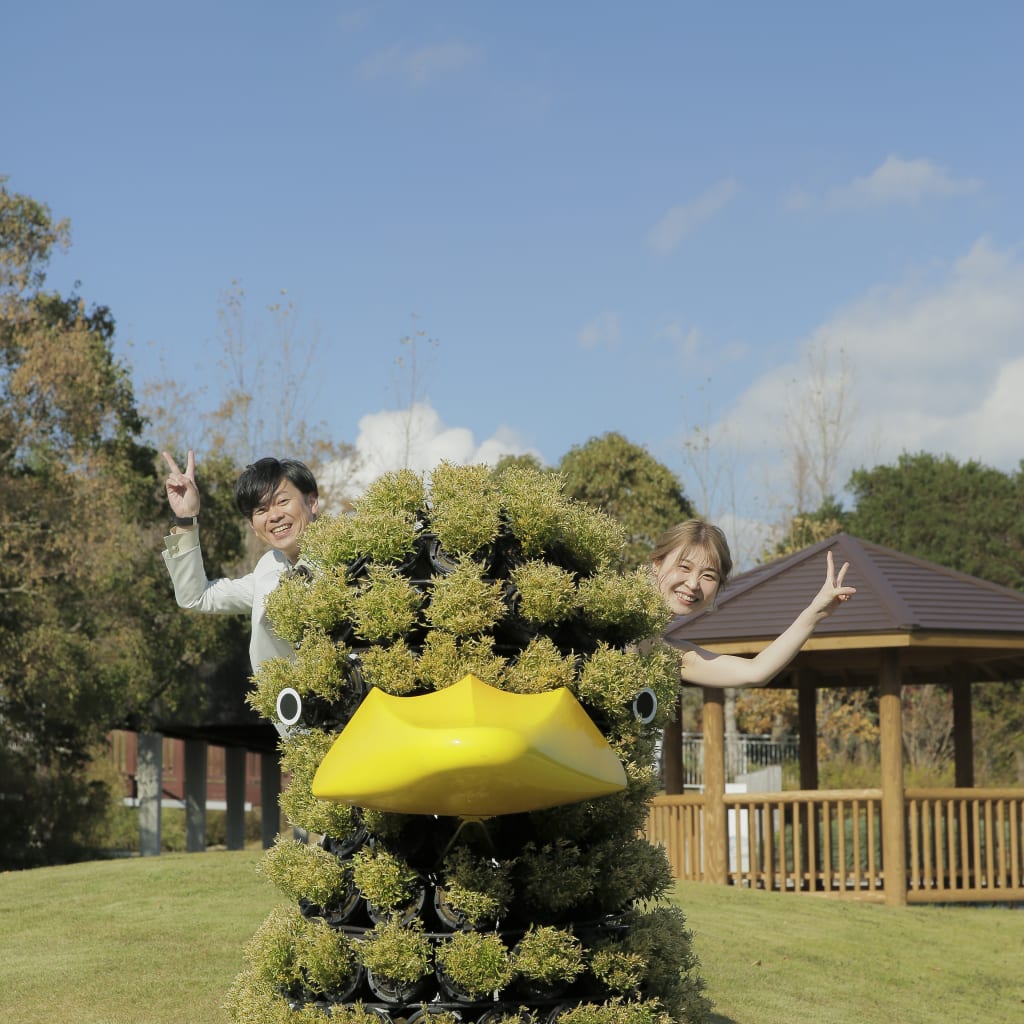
645	705
289	706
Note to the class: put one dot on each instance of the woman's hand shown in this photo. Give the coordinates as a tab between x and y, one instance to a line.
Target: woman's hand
182	493
832	593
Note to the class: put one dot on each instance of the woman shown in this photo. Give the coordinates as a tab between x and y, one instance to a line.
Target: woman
690	564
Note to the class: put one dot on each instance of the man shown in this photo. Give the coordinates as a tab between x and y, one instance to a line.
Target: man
280	499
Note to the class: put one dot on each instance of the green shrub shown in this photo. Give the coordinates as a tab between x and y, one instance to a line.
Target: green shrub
476	962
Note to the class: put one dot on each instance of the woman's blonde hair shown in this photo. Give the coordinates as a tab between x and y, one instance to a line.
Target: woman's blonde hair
695	533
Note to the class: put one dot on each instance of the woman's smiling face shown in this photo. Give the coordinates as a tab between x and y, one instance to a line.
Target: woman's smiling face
688	579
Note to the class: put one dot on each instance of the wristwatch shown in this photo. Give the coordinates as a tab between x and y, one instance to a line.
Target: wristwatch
186	520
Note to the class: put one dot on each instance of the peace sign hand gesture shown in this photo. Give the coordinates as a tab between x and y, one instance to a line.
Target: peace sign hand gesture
832	592
182	493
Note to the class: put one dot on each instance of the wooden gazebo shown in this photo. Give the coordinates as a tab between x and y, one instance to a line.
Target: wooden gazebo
911	622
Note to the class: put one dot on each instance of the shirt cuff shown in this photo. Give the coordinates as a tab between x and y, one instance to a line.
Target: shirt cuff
180	543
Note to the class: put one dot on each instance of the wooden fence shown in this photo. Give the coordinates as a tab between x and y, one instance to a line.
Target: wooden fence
963	845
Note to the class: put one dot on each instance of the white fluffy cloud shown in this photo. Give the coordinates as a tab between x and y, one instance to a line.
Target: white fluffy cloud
895	180
679	221
416	439
935	366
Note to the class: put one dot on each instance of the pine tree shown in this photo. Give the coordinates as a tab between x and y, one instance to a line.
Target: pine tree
537	915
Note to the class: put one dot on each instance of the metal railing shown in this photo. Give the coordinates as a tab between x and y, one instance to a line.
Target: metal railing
743	754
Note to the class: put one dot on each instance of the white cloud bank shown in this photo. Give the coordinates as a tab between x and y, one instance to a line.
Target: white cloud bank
680	221
416	439
895	180
936	367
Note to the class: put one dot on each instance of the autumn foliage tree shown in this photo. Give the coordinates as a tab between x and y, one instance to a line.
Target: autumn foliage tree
88	637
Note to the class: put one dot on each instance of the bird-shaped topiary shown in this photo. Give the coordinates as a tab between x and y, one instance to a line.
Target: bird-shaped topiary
475	914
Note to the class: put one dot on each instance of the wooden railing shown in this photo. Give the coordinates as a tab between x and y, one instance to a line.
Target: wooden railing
963	845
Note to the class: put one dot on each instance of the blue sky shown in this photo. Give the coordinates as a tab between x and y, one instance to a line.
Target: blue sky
642	217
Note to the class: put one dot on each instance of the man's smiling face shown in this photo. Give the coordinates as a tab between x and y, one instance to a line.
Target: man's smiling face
281	517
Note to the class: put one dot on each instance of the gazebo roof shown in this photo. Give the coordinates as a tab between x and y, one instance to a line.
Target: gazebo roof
949	625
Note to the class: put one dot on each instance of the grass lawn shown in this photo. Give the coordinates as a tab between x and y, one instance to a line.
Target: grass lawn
159	940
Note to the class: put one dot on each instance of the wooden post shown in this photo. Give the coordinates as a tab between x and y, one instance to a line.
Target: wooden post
672	751
234	785
963	736
195	795
716	830
894	820
807	718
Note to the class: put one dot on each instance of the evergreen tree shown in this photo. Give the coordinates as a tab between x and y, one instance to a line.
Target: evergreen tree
625	481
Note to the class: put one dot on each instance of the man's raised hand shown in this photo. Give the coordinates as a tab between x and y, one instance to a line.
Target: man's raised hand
182	493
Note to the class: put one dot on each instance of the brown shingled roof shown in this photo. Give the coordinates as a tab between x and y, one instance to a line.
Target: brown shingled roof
950	625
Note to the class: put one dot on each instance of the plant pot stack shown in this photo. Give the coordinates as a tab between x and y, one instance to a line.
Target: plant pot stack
536	916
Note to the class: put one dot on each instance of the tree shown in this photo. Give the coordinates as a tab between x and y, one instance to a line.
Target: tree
629	484
970	517
967	516
88	638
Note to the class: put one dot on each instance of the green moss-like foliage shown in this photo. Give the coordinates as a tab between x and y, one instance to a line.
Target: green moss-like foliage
466	507
502	576
540	667
476	962
329	542
546	593
304	872
616	1011
464	603
301	756
445	660
401	953
326	956
392	669
549	955
386	606
478	888
384	879
619	971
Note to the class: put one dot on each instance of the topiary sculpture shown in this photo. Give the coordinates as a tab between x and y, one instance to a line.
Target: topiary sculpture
483	893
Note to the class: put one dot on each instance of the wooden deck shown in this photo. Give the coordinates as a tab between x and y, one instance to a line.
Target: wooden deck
961	845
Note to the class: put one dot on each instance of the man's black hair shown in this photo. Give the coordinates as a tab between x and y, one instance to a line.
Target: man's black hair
259	481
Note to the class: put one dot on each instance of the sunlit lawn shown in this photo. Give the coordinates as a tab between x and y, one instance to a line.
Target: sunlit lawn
159	940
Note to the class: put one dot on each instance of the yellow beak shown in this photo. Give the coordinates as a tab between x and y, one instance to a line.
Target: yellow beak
469	750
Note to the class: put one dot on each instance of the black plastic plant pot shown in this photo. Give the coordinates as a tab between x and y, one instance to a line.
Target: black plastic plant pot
405	913
424	1013
350	991
456	993
397	993
344	846
345	909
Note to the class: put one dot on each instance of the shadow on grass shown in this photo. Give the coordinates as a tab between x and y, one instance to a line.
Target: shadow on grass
719	1018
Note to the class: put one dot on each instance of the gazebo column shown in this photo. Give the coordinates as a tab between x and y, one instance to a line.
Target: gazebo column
807	720
963	736
716	832
894	818
672	751
807	723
